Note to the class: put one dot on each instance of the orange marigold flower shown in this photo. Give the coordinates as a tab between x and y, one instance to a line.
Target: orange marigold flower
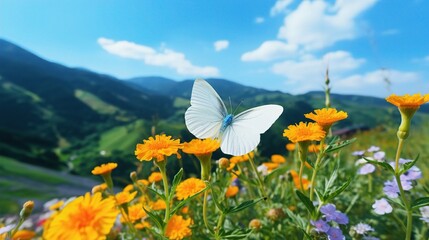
178	228
56	205
128	188
136	212
23	235
231	191
295	178
142	225
159	147
144	182
304	132
242	158
326	116
155	177
270	166
104	168
185	210
189	187
158	205
86	217
277	158
290	147
124	197
313	148
200	147
408	101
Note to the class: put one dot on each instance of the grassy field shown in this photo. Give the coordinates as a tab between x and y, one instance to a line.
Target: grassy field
20	182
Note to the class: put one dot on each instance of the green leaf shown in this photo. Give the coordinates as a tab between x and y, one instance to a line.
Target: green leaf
339	190
384	165
274	173
215	193
420	202
236	234
338	145
297	220
243	206
176	180
307	202
154	217
157	192
409	165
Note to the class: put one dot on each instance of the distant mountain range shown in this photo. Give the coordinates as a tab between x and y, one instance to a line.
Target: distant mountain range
52	114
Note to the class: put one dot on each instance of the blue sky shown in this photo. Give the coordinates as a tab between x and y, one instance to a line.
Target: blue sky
279	45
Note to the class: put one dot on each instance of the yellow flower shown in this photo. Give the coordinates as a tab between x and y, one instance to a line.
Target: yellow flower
86	217
159	147
136	212
304	132
325	117
290	147
99	188
128	188
189	187
56	205
185	210
155	177
201	148
158	205
124	197
104	168
231	191
24	235
142	225
313	148
144	182
277	158
178	228
408	101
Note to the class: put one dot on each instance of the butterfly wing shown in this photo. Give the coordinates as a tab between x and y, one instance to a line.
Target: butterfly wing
244	133
204	117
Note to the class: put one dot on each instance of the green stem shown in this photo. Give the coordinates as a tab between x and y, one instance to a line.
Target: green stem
206	222
316	168
261	185
162	168
219	224
21	221
402	192
301	168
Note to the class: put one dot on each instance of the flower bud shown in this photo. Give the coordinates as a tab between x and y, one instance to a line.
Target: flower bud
255	224
27	208
133	176
223	163
275	214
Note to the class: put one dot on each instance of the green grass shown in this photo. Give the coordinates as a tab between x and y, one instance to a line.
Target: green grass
123	138
95	103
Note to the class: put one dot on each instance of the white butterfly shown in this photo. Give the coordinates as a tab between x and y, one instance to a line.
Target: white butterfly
207	117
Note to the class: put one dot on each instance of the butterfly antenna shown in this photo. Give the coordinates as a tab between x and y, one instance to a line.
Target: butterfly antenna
233	113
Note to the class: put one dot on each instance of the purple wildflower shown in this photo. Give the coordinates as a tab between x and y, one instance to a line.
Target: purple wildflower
335	233
341	218
329	211
412	174
320	225
391	189
373	149
425	213
382	207
362	228
379	156
366	169
358	153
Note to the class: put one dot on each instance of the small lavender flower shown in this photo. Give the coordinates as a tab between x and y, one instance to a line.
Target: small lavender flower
6	229
370	238
403	160
320	225
425	213
331	214
360	161
412	174
358	153
373	149
362	228
391	189
366	169
379	156
263	169
329	211
335	233
382	206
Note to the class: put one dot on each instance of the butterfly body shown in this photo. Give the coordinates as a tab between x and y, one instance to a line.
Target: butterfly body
239	134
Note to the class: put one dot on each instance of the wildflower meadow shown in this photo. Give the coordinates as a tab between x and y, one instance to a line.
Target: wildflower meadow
318	186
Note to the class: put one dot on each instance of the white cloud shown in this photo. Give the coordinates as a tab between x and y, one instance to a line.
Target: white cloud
259	20
318	24
390	32
280	7
400	82
270	50
221	45
163	58
308	72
